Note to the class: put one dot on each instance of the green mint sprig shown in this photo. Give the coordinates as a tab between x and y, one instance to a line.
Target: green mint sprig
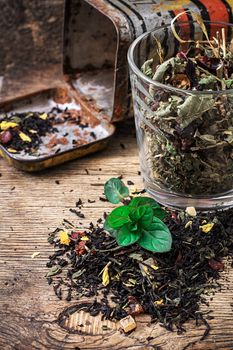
138	222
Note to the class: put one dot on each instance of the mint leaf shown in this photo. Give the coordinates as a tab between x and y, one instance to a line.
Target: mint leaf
157	238
118	217
109	229
143	215
126	236
115	190
157	210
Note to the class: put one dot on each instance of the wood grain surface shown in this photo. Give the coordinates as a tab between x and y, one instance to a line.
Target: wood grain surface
34	204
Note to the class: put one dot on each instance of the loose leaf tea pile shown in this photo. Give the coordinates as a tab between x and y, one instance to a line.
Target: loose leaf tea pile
130	280
23	131
189	135
40	134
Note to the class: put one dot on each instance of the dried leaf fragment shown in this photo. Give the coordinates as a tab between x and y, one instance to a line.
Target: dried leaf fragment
54	271
64	238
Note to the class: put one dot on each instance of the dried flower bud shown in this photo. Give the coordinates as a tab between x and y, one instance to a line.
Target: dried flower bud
5	137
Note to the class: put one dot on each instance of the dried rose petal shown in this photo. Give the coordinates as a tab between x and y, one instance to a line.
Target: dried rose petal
75	235
80	248
5	137
182	55
216	265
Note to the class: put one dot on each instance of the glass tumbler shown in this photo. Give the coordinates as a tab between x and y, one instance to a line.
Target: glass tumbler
186	158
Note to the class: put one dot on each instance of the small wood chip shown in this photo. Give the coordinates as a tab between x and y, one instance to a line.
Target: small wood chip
128	324
35	254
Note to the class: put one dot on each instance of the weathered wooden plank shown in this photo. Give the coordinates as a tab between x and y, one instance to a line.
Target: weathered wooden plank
29	310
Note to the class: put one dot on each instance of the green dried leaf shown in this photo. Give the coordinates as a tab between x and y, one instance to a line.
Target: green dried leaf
208	80
192	108
228	83
147	68
115	190
78	273
163	68
54	271
136	256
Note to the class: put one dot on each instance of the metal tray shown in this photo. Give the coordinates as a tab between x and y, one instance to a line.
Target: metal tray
70	140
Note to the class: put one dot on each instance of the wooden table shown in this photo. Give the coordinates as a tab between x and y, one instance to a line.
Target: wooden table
33	205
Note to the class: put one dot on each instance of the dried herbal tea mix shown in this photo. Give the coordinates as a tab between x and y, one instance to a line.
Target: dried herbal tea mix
35	134
189	135
127	279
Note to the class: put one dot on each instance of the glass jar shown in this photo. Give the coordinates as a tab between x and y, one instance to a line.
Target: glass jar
185	137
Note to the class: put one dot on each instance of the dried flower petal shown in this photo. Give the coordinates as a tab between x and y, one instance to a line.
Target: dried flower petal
24	137
64	238
85	238
159	302
207	227
11	150
80	248
105	276
44	116
4	125
188	224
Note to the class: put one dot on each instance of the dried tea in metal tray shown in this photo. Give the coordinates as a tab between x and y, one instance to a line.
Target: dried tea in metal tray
47	125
